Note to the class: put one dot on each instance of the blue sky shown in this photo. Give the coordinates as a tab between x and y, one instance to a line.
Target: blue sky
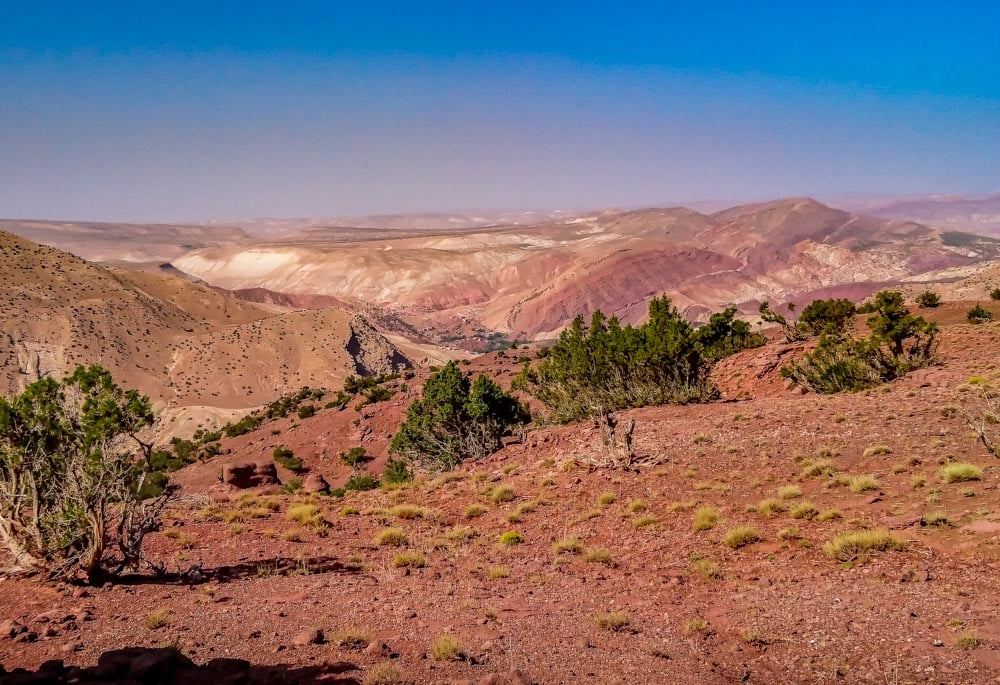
180	110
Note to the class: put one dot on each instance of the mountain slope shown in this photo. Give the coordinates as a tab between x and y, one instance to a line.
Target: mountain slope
184	344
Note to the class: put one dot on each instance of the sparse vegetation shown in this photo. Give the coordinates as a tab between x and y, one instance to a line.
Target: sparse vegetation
447	648
862	483
409	560
979	315
605	366
959	472
510	538
570	545
614	621
899	343
391	537
457	420
928	299
599	555
705	518
852	546
741	537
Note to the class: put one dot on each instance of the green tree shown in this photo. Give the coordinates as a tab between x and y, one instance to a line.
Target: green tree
830	317
892	324
72	473
899	343
605	367
456	420
928	299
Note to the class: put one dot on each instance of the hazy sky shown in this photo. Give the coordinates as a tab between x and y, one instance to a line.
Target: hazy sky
187	110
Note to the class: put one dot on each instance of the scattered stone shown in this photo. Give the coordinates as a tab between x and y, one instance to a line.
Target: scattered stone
11	629
313	636
378	648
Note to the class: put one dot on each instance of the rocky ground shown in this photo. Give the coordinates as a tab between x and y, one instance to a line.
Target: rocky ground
610	576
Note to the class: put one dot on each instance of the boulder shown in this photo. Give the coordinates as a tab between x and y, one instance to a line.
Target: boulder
314	482
244	475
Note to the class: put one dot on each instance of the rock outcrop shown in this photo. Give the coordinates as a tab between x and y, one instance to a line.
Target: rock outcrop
372	352
244	475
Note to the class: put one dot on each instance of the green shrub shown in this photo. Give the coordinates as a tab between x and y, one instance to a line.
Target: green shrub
456	420
605	367
355	456
396	472
995	294
306	411
361	481
928	299
827	317
979	314
898	344
286	458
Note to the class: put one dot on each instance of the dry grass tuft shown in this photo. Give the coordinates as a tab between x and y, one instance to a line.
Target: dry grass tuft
391	537
851	546
705	518
615	621
741	537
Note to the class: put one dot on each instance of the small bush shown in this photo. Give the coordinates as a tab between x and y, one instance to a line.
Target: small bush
769	507
570	545
502	493
599	555
960	472
829	515
157	619
306	411
862	483
446	648
968	640
644	521
383	673
615	621
305	514
789	492
806	510
511	538
790	533
636	506
709	570
978	315
360	481
705	518
877	451
474	511
355	456
498	572
938	518
396	472
851	546
817	468
409	560
351	638
741	537
391	537
696	625
605	499
406	511
928	299
286	458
